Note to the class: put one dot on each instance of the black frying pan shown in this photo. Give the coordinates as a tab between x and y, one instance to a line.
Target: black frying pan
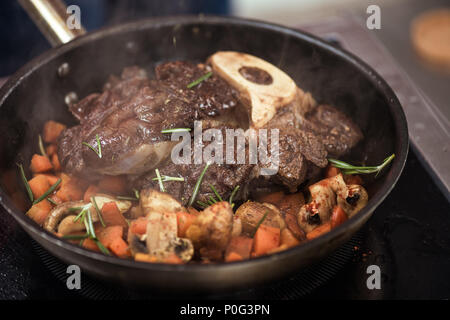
36	93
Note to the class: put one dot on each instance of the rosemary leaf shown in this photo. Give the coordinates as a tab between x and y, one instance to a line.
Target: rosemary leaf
199	80
161	186
99	151
25	182
127	198
41	147
176	130
233	193
97	209
260	222
215	192
48	192
101	247
197	185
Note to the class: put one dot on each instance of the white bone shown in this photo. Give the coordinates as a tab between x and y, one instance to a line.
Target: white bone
263	99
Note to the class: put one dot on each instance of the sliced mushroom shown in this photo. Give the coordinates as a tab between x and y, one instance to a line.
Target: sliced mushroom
122	205
152	200
68	225
357	199
59	212
162	240
251	214
263	87
211	231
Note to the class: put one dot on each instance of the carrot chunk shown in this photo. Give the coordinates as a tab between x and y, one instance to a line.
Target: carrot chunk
107	235
288	239
55	162
184	221
39	185
40	164
120	248
331	171
90	244
52	130
266	239
241	246
92	190
233	256
51	149
338	217
39	211
69	190
139	226
52	179
113	184
112	216
320	230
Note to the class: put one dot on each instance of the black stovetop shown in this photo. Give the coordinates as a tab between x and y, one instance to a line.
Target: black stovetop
408	237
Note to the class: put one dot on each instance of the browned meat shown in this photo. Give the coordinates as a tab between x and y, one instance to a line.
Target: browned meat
130	113
337	132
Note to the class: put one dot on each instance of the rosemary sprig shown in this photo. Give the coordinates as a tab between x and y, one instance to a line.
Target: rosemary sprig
197	185
168	178
127	198
136	193
25	182
99	152
202	204
176	130
161	186
233	193
48	192
52	201
75	236
41	147
260	222
97	209
347	168
202	78
215	192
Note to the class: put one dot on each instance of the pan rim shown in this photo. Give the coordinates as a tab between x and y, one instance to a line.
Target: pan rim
395	108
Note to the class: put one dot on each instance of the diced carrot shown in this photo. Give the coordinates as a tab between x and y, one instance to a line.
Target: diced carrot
172	259
143	257
106	235
193	211
92	190
184	221
112	216
288	239
353	179
240	245
40	164
292	224
266	239
113	184
50	177
69	190
120	248
233	256
39	211
90	244
292	203
274	198
338	217
56	199
51	149
55	162
139	226
320	230
331	171
39	185
52	130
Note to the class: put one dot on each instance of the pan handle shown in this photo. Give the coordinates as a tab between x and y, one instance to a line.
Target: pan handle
51	16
